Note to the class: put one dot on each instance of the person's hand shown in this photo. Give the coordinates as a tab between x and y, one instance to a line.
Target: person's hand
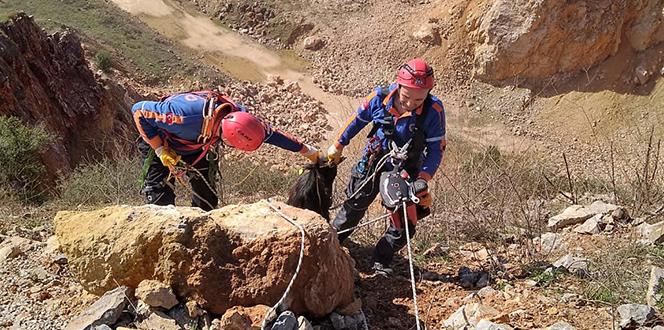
425	200
333	154
311	153
167	156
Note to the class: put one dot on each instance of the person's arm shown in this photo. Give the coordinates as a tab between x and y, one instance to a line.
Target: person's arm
145	116
435	141
286	141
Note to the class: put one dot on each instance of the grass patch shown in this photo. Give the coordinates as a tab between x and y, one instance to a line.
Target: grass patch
544	274
104	182
103	61
619	273
602	294
245	181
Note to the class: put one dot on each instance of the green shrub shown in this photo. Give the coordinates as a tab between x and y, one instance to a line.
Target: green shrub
21	171
103	61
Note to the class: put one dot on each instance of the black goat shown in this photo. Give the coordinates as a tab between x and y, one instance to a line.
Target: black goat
313	189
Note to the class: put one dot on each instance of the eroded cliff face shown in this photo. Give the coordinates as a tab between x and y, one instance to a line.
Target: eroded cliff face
538	38
45	79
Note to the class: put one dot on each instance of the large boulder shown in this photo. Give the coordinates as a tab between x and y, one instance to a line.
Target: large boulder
537	38
234	256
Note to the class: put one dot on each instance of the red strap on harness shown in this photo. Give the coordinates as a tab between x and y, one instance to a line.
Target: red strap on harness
225	107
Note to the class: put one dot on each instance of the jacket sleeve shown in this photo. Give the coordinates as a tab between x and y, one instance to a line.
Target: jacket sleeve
282	140
359	119
145	117
435	140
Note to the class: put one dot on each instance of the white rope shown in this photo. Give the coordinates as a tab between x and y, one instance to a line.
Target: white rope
410	263
297	270
364	223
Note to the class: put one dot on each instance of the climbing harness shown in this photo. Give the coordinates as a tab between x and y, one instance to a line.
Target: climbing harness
280	303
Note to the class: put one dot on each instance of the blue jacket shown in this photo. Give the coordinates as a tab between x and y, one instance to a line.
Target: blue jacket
181	116
372	110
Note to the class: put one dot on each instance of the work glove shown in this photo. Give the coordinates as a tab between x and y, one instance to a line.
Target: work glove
333	154
311	153
167	156
421	188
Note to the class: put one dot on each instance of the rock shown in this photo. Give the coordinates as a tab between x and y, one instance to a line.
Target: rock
197	253
469	279
158	321
292	86
286	321
428	34
590	226
241	318
570	216
156	294
9	251
634	315
561	325
550	242
487	292
600	207
13	247
193	310
652	234
313	43
274	79
655	286
303	324
578	213
642	75
647	28
561	35
488	325
620	215
357	321
182	317
52	245
469	315
102	327
575	265
106	310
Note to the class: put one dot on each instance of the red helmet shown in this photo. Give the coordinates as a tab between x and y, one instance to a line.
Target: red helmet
242	130
416	74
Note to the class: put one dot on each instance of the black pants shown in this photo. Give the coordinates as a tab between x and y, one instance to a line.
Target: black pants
353	211
158	192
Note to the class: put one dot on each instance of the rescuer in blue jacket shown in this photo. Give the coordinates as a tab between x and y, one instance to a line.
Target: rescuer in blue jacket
406	111
186	126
